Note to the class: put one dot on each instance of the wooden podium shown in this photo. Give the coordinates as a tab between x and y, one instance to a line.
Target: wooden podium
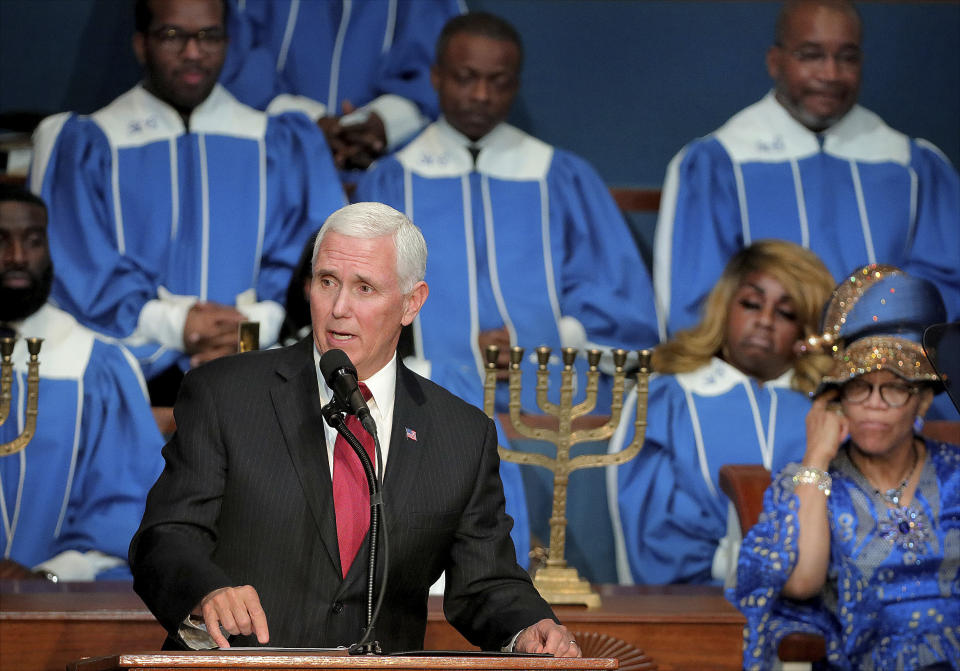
294	660
45	626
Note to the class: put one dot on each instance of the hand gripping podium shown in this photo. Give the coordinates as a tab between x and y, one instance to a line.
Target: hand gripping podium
335	660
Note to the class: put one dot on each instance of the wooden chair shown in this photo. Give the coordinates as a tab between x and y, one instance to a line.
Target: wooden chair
942	430
744	485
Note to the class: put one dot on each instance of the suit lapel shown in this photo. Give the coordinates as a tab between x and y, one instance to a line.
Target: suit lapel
406	453
296	402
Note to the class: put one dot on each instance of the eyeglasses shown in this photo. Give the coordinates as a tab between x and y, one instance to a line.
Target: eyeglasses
175	40
848	59
894	394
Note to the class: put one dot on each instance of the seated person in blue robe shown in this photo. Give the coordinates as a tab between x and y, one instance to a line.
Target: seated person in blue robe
527	246
72	498
808	164
860	540
175	211
329	58
732	390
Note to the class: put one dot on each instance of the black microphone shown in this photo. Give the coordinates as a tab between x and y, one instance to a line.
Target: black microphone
341	376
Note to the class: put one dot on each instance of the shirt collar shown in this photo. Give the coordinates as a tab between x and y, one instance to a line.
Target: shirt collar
463	140
207	116
718	377
382	385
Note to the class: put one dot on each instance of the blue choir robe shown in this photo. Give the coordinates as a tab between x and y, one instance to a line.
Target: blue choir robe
516	501
858	193
892	594
146	217
528	239
672	513
315	55
72	499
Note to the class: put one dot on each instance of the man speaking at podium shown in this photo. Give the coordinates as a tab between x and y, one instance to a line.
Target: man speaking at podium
241	538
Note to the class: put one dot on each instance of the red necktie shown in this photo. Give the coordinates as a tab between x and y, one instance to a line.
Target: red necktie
351	496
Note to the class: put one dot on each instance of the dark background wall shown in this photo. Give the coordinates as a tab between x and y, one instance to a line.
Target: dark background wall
624	83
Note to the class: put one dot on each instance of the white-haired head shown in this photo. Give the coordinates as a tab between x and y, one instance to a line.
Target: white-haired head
374	220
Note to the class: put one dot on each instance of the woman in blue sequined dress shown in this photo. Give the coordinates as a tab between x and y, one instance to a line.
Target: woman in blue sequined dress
861	541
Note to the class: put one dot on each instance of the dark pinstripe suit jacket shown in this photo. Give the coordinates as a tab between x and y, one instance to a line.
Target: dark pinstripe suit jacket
246	498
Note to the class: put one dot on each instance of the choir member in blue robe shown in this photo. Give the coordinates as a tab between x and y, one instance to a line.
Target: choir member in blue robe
527	246
858	539
807	164
175	211
730	391
327	58
73	496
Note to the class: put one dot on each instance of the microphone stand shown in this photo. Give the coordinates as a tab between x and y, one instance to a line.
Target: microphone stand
333	414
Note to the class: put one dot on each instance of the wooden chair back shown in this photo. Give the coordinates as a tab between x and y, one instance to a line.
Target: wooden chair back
744	485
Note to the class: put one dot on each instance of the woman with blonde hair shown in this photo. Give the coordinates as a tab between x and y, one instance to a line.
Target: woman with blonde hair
734	389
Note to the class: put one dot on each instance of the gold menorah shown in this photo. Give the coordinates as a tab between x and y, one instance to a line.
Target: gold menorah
6	391
558	583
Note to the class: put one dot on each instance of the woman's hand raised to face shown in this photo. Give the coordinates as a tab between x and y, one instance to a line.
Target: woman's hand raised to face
827	428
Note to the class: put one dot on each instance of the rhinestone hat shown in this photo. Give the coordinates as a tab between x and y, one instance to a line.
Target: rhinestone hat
875	321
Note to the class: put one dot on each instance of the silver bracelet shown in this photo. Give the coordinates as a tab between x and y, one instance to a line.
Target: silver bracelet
808	475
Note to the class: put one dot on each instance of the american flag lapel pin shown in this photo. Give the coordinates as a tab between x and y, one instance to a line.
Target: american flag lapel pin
411	434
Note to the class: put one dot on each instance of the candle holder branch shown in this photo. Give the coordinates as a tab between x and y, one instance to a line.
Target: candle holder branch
6	392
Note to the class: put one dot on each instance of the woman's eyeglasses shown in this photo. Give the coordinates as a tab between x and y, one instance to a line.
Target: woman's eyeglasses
894	394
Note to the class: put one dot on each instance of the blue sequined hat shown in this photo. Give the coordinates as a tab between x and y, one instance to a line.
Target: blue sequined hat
875	321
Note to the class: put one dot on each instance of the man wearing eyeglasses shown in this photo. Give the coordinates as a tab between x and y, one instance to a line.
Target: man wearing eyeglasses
809	165
176	212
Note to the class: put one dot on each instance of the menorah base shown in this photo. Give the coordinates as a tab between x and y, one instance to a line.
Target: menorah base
564	586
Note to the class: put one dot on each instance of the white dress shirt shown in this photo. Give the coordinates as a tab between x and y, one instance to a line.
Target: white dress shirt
382	386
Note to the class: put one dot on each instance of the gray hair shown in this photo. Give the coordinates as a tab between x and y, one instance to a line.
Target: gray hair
374	220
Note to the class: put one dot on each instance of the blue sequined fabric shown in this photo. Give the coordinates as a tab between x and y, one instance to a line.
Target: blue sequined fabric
892	599
908	528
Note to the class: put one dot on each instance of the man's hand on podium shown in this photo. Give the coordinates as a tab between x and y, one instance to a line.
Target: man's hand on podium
547	636
234	610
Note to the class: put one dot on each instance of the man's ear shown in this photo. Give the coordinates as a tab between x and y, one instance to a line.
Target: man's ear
774	58
435	77
414	301
139	47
